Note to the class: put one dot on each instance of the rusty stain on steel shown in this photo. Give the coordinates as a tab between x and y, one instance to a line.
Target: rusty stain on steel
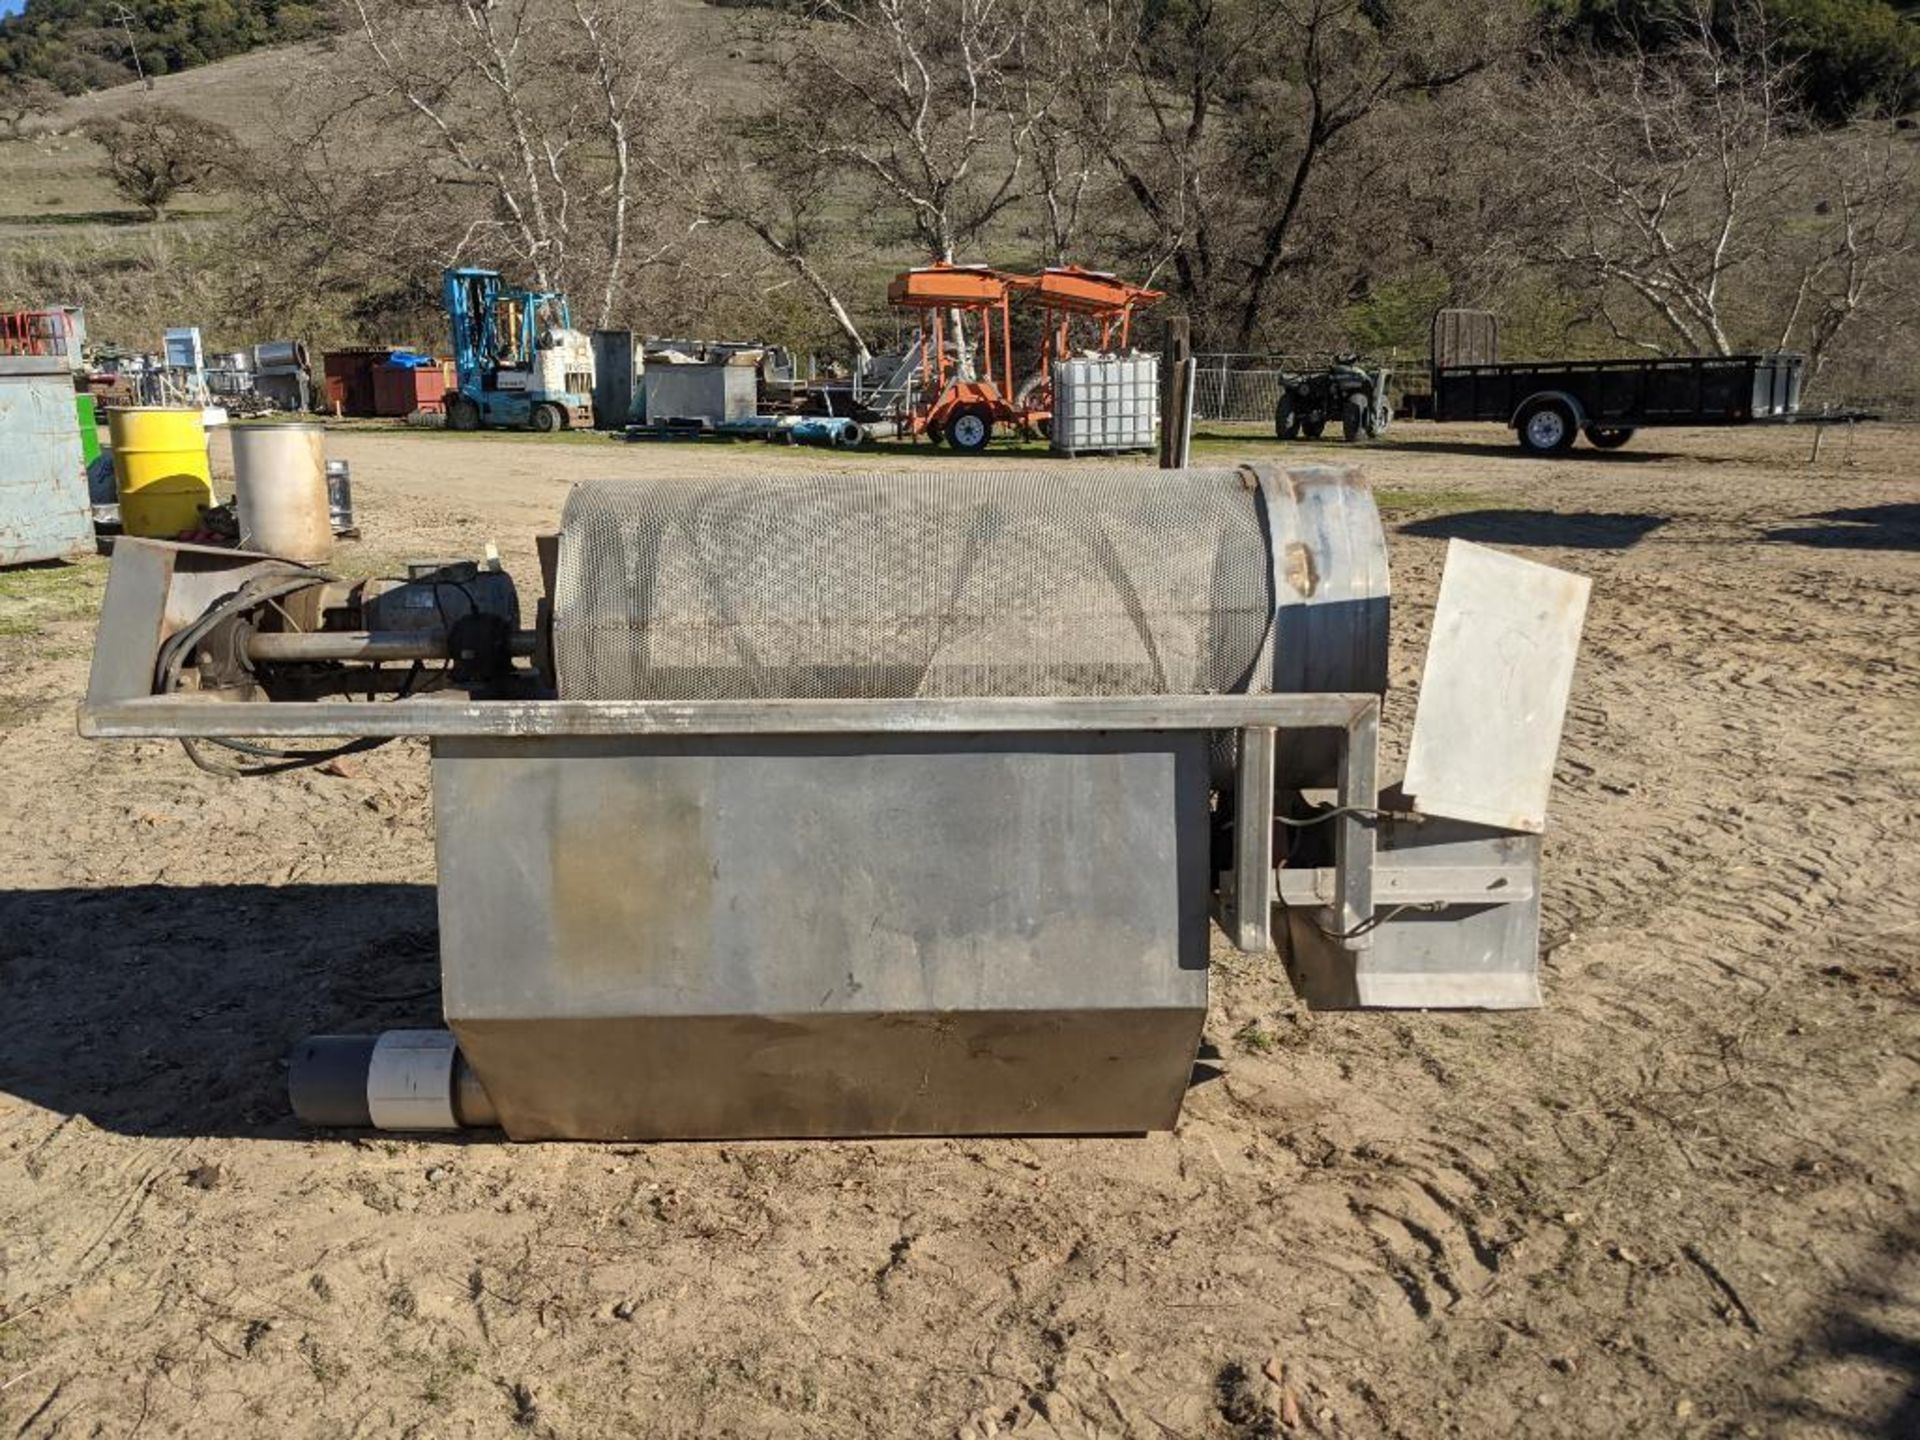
659	831
1299	569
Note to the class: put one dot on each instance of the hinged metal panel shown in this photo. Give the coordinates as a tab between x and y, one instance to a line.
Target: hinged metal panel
1494	692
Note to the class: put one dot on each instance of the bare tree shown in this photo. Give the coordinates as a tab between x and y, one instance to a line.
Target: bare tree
1060	83
1681	153
1353	56
1703	209
154	153
1149	101
22	98
1217	117
1863	226
781	196
543	111
912	98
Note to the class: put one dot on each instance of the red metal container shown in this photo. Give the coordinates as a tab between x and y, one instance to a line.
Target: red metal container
403	389
349	376
33	332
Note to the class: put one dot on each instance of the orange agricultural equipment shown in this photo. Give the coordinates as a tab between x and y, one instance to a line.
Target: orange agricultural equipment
963	404
949	403
1066	293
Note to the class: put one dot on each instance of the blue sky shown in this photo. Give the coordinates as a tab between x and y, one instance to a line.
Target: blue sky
12	7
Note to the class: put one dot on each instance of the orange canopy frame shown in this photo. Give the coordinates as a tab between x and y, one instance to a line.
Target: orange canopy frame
1063	292
1068	292
933	291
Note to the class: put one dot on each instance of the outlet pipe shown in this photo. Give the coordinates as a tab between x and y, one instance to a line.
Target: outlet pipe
397	1080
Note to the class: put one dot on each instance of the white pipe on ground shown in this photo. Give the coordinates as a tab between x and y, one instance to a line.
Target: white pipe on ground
399	1080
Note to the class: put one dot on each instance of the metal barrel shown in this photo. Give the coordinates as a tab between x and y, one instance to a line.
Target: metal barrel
290	354
160	469
1111	580
280	491
340	496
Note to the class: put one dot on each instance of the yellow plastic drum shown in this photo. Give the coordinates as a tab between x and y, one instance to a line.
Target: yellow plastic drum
160	469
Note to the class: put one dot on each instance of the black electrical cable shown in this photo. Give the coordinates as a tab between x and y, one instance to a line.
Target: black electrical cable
1410	816
254	592
1377	919
283	760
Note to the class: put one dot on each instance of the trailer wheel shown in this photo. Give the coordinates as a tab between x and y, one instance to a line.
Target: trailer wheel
1546	428
970	429
463	413
546	418
1286	417
1607	437
1354	417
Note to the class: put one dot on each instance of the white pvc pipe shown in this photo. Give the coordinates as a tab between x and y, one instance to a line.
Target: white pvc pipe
410	1080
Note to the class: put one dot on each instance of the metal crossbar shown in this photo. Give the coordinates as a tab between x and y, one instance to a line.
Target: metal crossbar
1257	718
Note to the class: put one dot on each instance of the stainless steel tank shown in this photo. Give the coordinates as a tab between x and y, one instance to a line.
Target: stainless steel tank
882	933
280	491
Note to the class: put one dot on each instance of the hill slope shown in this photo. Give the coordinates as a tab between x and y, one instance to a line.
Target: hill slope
83	45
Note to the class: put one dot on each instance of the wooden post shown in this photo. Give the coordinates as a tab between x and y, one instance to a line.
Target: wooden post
1176	394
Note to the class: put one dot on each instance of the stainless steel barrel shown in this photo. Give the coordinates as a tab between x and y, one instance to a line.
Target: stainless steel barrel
280	491
1120	580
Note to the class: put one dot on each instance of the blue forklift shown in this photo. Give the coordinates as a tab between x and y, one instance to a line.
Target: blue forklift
520	361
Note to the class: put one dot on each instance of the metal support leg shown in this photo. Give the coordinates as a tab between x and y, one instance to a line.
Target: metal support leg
1253	841
1353	837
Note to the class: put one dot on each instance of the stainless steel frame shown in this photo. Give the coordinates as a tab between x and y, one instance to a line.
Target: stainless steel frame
1355	719
675	918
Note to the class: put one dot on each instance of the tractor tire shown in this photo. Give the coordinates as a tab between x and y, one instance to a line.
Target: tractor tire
1286	417
463	413
1353	418
546	418
1607	437
1546	428
970	429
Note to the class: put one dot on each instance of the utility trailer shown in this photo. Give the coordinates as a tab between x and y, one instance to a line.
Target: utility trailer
1549	402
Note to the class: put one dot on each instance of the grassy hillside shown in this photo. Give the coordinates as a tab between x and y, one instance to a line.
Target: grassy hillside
64	232
66	236
50	182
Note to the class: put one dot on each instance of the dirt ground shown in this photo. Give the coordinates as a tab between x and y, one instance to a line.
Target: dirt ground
1683	1199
